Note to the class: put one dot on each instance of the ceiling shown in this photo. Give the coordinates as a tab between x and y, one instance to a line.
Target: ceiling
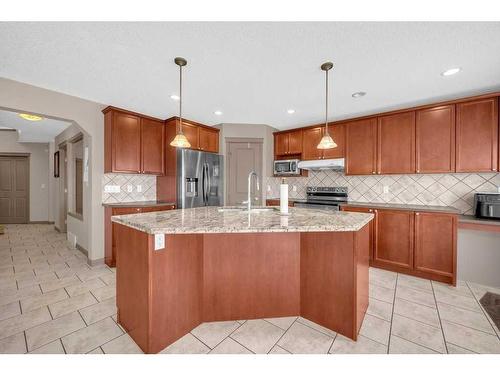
254	72
42	131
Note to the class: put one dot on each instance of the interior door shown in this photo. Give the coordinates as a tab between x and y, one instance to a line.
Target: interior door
14	189
242	158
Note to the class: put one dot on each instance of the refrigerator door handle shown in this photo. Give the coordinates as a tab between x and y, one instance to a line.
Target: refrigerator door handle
205	183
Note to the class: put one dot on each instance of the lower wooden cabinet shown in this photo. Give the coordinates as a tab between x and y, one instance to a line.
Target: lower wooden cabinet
422	244
276	202
109	230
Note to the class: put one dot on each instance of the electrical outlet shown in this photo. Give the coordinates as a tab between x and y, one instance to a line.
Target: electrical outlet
268	187
159	241
139	188
294	188
111	188
130	188
386	189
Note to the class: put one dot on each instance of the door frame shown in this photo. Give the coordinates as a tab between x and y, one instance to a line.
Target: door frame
63	187
27	156
228	141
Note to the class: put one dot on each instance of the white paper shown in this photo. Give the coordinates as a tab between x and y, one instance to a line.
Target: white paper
284	199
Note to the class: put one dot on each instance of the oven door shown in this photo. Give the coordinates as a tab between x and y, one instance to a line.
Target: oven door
318	206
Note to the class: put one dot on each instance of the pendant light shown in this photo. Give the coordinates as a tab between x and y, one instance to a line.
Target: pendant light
180	139
326	141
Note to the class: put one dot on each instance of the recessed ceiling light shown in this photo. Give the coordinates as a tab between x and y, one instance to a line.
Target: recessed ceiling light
358	94
218	113
29	117
290	111
450	72
174	97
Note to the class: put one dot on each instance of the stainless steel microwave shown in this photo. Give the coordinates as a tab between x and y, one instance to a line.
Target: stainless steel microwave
487	205
287	167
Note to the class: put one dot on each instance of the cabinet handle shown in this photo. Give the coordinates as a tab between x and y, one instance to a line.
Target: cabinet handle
417	214
493	169
370	210
418	170
373	172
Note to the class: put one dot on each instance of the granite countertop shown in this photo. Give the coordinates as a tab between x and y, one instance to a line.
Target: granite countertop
139	204
474	220
211	220
402	206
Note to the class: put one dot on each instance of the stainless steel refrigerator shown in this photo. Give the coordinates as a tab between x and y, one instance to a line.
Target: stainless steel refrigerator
199	179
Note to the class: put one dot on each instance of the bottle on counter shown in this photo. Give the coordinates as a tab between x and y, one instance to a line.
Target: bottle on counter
283	197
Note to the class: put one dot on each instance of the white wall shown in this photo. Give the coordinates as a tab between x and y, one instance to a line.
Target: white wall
39	172
19	96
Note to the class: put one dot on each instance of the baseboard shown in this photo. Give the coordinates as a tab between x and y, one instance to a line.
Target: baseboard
57	229
82	250
95	262
40	222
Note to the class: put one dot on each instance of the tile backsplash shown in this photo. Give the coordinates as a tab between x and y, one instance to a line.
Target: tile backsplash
126	182
455	190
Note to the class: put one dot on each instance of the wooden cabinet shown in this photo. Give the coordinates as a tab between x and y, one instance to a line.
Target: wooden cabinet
372	224
288	143
361	147
394	238
192	134
312	136
152	147
208	140
436	243
133	143
396	143
435	140
201	137
276	202
477	136
110	227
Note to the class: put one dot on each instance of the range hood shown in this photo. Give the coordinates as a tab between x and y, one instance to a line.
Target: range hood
322	164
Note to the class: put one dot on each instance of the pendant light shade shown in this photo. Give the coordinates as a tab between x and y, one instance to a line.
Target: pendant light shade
180	139
327	141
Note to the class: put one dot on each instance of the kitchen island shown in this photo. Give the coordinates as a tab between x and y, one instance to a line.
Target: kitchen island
228	264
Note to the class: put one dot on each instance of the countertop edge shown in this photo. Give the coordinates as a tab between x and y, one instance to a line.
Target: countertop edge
139	204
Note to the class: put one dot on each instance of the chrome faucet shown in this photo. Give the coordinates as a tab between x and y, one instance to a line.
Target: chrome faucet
249	200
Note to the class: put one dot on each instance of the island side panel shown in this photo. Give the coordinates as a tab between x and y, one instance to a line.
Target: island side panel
329	280
251	275
362	261
176	289
132	283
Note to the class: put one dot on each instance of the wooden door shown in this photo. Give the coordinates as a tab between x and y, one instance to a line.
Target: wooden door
372	224
361	147
435	243
243	157
477	136
209	140
337	132
435	140
310	140
396	143
192	134
14	189
153	146
394	239
126	143
295	142
281	144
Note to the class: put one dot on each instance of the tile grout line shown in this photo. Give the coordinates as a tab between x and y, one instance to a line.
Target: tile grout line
239	325
392	313
439	317
483	311
416	343
286	330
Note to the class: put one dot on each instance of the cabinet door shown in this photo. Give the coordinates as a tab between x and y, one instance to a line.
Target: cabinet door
396	143
337	132
477	136
126	143
192	134
394	238
435	140
153	147
372	224
310	140
361	147
281	144
435	243
209	140
295	142
272	202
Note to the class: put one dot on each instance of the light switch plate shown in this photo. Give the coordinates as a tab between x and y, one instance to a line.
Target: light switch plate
294	188
386	189
111	188
159	241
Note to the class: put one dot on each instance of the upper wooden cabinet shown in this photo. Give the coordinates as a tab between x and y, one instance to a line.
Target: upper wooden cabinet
361	147
132	143
288	143
312	136
435	139
396	143
477	136
153	146
201	137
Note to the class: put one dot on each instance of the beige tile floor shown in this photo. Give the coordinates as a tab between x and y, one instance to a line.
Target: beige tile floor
51	301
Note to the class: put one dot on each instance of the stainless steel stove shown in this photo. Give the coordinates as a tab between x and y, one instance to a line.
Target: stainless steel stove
325	198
